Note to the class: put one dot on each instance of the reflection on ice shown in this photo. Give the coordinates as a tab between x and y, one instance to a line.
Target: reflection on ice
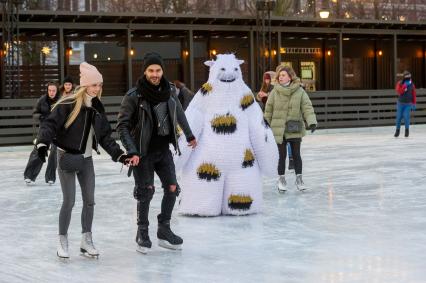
362	221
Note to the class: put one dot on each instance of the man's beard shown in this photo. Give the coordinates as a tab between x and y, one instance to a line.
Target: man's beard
156	82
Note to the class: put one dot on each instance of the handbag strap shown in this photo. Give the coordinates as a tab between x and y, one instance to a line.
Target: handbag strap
300	104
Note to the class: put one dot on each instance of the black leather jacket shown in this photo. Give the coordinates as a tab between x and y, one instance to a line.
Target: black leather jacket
185	96
74	139
135	123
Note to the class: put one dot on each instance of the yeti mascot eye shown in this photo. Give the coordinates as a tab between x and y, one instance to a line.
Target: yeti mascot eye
225	69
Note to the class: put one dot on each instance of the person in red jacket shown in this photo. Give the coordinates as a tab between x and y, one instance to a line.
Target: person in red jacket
406	103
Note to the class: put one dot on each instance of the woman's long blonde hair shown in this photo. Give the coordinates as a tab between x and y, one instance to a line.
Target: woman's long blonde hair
77	98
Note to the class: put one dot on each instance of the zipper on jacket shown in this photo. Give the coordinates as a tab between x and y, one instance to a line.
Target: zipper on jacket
140	135
174	131
94	134
84	130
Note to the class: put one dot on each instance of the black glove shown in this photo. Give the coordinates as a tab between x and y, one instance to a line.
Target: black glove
123	158
313	127
42	153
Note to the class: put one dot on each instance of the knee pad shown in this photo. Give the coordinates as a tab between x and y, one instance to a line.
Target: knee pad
142	193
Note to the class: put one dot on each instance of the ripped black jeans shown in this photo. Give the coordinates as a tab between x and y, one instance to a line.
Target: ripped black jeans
160	162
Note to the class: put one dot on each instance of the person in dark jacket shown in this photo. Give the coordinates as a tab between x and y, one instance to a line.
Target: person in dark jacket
147	123
406	103
34	165
77	124
265	89
183	93
67	86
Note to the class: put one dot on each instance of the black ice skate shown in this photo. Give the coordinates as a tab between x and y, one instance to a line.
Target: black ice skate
142	239
407	133
166	238
396	133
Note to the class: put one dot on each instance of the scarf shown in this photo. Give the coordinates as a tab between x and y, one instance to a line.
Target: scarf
293	86
52	101
154	93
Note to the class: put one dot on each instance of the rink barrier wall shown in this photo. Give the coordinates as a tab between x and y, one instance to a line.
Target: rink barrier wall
334	109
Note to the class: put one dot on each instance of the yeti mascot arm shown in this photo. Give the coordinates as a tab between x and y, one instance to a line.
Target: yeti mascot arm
195	118
262	139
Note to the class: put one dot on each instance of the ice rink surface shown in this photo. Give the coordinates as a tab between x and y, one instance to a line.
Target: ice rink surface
363	220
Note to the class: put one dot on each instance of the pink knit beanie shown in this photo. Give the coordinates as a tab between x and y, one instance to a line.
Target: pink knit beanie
89	75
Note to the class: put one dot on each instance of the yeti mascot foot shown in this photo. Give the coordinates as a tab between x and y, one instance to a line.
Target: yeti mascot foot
223	174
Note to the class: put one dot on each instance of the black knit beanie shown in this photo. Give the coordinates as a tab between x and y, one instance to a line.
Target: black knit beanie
151	59
68	79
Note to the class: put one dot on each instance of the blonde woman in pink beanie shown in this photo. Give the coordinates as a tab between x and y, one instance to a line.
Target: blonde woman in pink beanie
77	125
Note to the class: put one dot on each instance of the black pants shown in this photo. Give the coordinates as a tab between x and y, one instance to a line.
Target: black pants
34	165
160	162
295	151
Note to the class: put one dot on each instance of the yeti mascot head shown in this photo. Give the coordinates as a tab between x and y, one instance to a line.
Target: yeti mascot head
225	69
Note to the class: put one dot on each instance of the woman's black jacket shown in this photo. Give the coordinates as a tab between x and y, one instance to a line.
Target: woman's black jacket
43	107
74	138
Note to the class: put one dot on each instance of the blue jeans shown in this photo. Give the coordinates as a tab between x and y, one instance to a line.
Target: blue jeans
403	111
289	151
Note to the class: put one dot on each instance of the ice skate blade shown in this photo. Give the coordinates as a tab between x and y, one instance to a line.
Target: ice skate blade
62	257
142	250
84	253
282	191
167	245
29	183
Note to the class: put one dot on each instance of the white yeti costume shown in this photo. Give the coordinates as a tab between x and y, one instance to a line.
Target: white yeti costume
222	175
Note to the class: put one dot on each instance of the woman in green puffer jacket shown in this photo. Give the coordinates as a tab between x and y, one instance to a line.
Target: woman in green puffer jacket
287	108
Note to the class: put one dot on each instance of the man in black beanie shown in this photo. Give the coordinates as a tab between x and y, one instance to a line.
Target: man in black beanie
147	124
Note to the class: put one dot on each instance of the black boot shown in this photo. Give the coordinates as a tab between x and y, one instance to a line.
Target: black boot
396	133
144	196
142	239
166	238
407	133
